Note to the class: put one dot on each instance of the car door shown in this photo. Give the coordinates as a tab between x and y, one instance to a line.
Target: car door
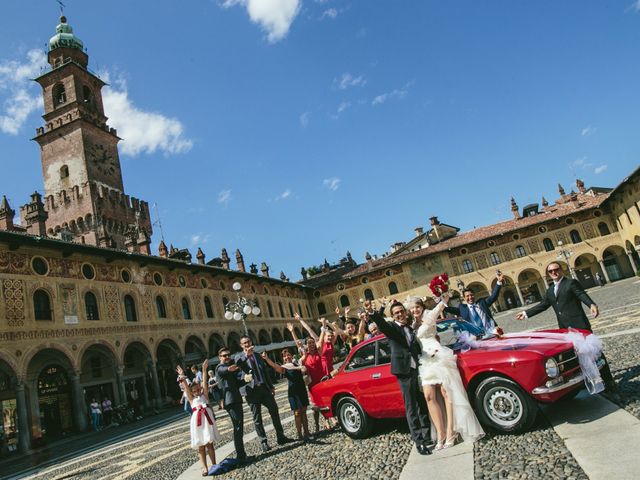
360	375
385	389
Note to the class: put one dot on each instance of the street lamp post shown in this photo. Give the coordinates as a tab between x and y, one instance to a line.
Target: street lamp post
565	254
240	309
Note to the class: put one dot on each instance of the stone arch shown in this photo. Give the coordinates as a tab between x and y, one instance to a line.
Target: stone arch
216	342
276	336
168	355
233	342
509	296
32	352
253	337
531	285
98	372
479	290
194	350
136	375
616	263
263	337
50	376
586	267
633	253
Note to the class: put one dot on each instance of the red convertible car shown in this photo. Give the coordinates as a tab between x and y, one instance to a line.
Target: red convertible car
504	376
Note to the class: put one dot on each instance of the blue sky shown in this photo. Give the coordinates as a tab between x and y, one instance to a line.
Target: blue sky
299	129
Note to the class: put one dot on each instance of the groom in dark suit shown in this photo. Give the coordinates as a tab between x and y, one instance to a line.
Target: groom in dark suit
405	354
478	312
259	391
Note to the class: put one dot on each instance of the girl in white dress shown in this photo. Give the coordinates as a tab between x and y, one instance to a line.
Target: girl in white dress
203	424
441	382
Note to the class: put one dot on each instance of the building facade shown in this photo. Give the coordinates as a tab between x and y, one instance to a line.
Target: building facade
591	231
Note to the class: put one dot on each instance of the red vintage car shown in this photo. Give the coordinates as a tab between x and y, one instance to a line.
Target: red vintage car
505	378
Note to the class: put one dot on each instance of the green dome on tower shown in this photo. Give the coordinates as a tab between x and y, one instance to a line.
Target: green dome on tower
64	37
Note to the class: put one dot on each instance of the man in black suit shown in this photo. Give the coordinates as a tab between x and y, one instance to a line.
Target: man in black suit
565	296
258	390
478	312
405	354
229	381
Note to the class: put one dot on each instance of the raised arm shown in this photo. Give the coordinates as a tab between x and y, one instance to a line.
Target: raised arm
362	328
205	378
293	330
271	363
309	330
182	378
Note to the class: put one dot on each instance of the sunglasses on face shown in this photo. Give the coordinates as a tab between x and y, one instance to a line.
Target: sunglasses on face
553	270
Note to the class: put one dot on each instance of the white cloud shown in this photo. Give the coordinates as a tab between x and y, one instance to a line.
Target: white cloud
341	108
284	195
21	95
142	131
600	169
332	183
304	119
636	6
581	162
589	130
199	239
380	99
347	80
274	16
331	13
224	197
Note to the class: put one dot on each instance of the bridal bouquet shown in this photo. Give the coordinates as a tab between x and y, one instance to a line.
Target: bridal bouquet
439	284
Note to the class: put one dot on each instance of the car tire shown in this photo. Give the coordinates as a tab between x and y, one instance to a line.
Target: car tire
502	405
353	419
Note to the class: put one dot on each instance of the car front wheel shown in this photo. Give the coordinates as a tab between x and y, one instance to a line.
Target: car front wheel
502	405
353	419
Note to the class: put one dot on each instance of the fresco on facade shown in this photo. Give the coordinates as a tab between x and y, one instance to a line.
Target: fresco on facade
422	273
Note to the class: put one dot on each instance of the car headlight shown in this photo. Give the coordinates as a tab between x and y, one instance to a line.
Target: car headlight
551	366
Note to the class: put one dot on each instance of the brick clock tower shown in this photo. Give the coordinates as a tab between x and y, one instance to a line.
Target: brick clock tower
84	193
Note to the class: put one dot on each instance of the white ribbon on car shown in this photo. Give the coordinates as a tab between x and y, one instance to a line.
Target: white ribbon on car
588	349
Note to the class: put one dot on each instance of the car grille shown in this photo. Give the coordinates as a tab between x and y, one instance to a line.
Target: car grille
567	361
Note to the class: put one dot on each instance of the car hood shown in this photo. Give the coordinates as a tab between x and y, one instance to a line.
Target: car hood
544	343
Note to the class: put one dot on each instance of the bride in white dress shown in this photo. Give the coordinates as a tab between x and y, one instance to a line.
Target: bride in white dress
449	407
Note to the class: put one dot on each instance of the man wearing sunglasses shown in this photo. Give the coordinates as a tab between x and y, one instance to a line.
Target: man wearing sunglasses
566	296
228	375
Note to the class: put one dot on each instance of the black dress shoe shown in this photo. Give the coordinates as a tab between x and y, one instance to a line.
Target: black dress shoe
265	446
423	449
283	440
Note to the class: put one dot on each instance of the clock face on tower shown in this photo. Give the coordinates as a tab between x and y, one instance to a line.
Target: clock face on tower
103	157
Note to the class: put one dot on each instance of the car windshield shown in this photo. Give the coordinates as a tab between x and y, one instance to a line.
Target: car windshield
450	329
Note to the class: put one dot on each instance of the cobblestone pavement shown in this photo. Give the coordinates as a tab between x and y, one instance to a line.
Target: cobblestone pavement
538	454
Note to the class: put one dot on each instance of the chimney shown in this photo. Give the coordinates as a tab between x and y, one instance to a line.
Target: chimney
162	249
367	257
6	215
225	259
283	277
304	273
573	198
544	202
418	230
580	185
514	209
35	216
434	221
240	261
253	268
561	190
200	256
264	269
